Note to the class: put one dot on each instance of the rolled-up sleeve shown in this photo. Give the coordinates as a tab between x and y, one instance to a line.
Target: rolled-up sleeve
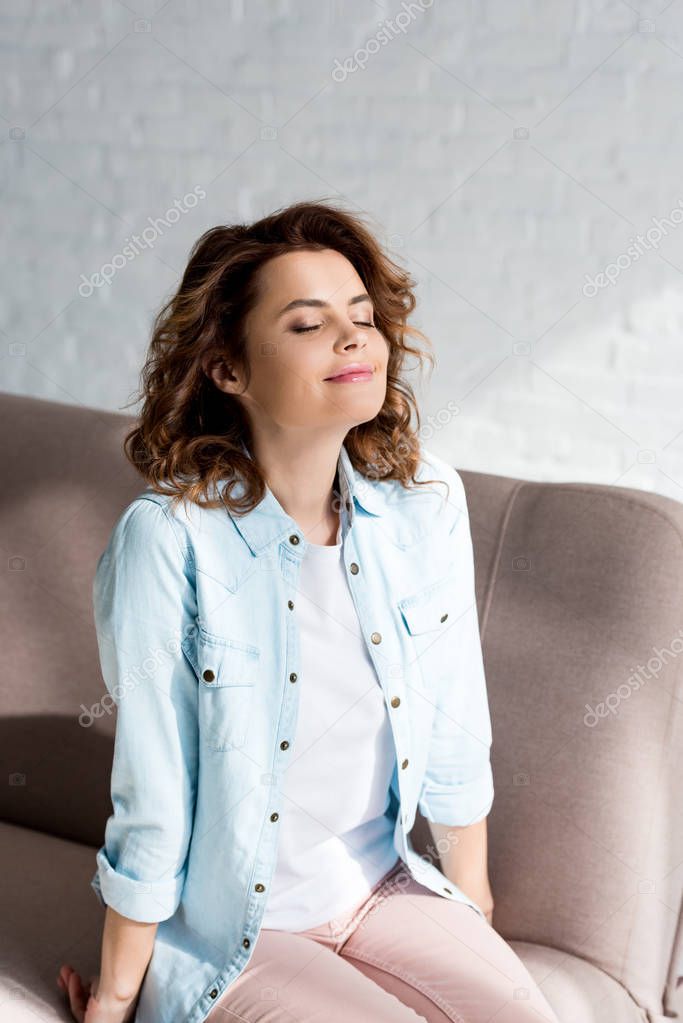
457	789
144	602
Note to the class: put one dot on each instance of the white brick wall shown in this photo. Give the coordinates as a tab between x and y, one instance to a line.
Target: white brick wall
111	111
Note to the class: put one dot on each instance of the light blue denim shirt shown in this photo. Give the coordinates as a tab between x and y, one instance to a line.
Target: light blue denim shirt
196	617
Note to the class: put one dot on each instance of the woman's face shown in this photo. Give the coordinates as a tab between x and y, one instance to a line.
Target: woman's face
313	320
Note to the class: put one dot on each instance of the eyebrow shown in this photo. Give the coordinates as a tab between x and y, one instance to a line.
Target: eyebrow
298	302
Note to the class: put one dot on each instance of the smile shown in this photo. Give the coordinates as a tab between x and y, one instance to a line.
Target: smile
352	375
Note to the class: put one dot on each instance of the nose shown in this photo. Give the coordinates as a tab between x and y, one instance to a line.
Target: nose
356	336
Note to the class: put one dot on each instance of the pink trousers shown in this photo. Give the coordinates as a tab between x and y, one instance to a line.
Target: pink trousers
403	954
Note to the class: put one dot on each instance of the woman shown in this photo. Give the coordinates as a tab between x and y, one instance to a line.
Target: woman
286	620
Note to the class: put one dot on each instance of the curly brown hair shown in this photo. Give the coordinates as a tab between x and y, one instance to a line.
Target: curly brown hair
190	434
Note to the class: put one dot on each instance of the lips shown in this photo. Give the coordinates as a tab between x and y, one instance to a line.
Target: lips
354	369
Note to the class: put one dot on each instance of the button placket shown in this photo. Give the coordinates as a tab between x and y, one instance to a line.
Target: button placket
294	540
274	816
376	640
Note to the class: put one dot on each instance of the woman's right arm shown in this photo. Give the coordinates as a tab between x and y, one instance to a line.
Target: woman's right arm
144	601
127	947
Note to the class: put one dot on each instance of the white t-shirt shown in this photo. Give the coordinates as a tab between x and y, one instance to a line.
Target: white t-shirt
331	851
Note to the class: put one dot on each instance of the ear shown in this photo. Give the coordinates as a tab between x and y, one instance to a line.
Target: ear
221	374
212	363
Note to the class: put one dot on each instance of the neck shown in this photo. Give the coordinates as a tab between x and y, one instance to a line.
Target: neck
302	475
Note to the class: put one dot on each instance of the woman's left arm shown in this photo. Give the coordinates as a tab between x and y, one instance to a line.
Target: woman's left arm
464	860
457	788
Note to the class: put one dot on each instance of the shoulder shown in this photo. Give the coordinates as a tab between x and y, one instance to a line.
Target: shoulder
436	467
440	491
148	526
429	507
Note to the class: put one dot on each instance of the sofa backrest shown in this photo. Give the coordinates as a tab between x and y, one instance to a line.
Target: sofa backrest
580	597
66	480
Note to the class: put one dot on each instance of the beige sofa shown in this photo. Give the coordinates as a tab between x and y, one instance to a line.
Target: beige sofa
578	586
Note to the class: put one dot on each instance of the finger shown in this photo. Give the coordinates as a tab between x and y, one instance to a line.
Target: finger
78	1003
63	977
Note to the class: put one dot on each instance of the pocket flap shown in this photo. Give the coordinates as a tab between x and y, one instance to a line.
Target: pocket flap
431	609
225	662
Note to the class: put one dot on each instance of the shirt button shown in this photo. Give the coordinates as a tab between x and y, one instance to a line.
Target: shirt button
395	701
354	568
405	763
443	617
284	744
259	887
208	675
376	637
274	816
294	539
290	604
448	890
213	992
293	677
246	942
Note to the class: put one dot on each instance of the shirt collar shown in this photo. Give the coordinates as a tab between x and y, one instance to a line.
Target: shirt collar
268	521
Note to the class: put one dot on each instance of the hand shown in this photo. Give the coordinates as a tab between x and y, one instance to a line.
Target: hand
485	903
86	1007
484	899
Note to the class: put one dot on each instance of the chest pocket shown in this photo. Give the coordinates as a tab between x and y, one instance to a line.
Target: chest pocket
431	608
427	616
227	671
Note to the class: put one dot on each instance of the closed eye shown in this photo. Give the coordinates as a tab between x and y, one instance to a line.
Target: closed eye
306	330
